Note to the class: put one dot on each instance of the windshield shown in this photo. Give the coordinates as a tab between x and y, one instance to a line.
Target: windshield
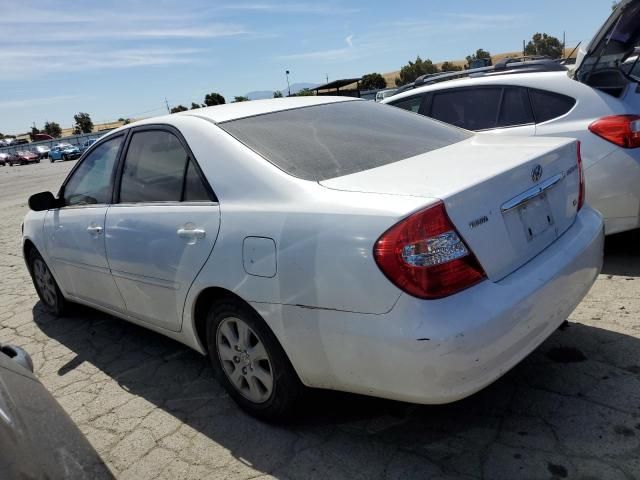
331	140
65	145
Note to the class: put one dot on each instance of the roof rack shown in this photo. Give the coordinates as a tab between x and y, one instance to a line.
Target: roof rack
503	67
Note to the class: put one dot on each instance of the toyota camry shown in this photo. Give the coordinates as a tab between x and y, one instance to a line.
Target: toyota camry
323	242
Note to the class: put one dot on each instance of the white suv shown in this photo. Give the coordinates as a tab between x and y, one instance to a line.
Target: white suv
597	102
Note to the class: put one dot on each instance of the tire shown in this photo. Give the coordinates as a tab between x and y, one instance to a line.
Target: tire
38	161
51	159
46	285
266	387
64	158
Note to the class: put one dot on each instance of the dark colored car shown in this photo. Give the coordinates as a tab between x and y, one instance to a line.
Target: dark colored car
25	157
9	158
37	437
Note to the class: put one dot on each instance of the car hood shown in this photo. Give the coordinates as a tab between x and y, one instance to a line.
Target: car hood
613	43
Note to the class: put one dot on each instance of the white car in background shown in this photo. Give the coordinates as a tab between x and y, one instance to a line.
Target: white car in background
324	241
596	102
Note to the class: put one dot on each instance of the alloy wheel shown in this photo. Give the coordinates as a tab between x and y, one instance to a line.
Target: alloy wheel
44	281
245	360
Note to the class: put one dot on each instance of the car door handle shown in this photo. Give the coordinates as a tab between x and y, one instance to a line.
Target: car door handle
191	233
94	229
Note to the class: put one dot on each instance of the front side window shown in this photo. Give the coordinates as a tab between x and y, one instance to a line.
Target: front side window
91	183
473	109
157	168
412	104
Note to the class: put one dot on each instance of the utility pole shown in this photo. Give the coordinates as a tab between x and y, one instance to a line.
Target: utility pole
524	49
288	86
167	104
564	42
327	77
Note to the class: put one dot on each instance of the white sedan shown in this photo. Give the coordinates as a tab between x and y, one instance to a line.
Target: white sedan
327	242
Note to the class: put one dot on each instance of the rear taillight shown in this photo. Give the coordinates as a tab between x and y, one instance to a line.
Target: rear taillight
623	130
424	256
581	174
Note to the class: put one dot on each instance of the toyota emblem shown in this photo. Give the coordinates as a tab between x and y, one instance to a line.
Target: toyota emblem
536	173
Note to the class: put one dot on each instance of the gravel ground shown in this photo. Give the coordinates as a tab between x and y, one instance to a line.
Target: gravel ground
152	409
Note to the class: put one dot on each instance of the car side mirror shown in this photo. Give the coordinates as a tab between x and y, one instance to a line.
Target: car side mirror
43	201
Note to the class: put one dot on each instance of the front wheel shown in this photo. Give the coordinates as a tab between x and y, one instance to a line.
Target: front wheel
51	159
46	286
64	158
250	363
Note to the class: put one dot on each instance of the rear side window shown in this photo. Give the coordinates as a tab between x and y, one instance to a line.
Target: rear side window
473	109
547	105
412	104
157	168
516	108
331	140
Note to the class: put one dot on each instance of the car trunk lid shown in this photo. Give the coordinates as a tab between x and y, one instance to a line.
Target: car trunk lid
509	198
614	42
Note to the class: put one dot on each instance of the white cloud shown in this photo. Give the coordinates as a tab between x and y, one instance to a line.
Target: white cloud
349	40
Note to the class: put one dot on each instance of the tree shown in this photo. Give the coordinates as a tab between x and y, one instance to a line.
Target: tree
195	105
179	108
125	121
83	123
53	129
413	70
33	133
480	54
543	44
240	99
305	92
373	81
277	94
213	98
450	67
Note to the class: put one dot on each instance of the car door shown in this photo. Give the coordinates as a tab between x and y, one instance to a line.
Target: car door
74	233
163	227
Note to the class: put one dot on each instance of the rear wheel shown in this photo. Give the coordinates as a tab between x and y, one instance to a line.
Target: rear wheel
250	363
51	159
46	285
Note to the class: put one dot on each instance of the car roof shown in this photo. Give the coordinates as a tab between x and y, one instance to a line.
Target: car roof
533	80
236	110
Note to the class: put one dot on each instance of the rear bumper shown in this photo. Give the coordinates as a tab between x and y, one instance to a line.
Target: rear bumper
443	350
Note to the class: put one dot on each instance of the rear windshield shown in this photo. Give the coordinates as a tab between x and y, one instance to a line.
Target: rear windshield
331	140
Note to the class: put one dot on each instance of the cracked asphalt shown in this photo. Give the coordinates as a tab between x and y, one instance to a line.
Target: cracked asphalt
152	409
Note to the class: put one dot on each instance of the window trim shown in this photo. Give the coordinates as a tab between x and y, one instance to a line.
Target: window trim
213	199
60	195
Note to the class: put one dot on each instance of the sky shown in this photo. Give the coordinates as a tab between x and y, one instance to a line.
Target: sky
122	58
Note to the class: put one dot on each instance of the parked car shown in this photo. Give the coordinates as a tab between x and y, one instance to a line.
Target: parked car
382	94
8	158
42	151
19	141
64	151
38	137
25	157
37	437
597	103
358	241
87	144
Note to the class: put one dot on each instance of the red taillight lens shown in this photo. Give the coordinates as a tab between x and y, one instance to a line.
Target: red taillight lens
623	130
424	256
581	173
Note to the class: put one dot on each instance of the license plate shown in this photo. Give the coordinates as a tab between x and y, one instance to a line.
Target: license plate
536	216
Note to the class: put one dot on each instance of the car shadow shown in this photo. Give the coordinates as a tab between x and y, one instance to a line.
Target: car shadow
577	396
622	254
